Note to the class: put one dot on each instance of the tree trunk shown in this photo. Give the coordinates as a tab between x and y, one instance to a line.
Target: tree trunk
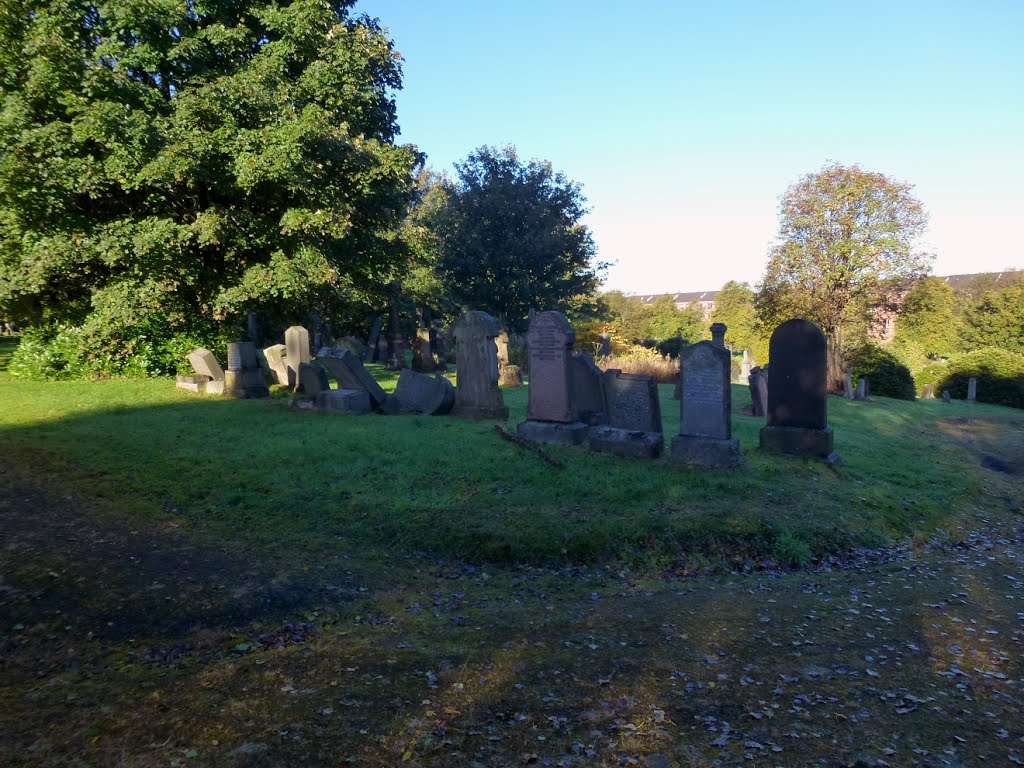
834	366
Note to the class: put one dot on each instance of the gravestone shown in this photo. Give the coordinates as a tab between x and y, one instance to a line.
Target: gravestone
477	395
296	341
797	403
758	383
705	408
634	417
195	383
312	380
351	343
275	356
244	377
745	367
205	364
946	396
718	334
420	393
551	412
423	352
510	376
604	345
373	340
350	373
252	325
848	385
862	390
588	390
972	389
354	402
501	342
929	392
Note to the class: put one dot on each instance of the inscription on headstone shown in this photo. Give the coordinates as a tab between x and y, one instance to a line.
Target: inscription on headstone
705	418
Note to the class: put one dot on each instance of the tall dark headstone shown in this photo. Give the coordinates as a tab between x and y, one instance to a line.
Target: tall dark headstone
972	390
296	341
551	412
312	380
477	395
705	408
634	417
758	381
252	325
797	402
373	340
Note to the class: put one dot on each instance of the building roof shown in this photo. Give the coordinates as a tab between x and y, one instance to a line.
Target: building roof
680	298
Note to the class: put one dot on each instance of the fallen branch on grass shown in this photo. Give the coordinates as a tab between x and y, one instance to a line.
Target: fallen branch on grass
527	446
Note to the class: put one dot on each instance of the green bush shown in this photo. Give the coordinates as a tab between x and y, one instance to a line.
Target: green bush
1000	375
886	375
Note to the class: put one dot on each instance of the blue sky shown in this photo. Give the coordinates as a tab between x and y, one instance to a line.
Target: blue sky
686	121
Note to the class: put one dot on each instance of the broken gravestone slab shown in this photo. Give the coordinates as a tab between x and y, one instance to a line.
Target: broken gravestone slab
420	393
350	373
312	380
354	402
275	356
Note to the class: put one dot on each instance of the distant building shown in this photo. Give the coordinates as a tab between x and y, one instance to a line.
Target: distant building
884	326
706	300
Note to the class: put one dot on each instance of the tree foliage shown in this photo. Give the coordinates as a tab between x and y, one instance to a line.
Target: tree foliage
510	237
997	320
735	306
846	243
167	166
930	317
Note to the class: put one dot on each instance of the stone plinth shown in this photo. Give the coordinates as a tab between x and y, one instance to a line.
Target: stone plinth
799	440
706	451
355	402
574	433
348	369
625	442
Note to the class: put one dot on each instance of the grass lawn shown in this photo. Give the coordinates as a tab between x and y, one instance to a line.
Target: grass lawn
203	582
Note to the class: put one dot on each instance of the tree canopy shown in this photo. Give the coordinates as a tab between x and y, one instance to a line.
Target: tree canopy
930	318
847	242
510	237
165	167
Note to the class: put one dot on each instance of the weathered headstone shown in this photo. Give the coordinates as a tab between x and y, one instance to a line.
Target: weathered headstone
350	373
797	402
205	364
972	389
510	376
477	395
420	393
244	377
275	356
758	382
551	412
862	390
296	341
848	385
351	343
745	367
604	345
194	383
705	408
354	402
312	380
634	417
423	353
373	340
501	342
588	390
946	396
929	392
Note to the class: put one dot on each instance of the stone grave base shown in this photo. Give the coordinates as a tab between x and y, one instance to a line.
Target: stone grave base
245	384
351	401
480	412
553	432
201	384
510	376
706	451
798	440
626	442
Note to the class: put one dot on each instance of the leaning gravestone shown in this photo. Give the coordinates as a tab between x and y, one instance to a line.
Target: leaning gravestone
758	382
477	395
634	417
350	373
797	403
296	340
275	356
705	408
209	378
244	377
551	412
354	402
588	390
420	393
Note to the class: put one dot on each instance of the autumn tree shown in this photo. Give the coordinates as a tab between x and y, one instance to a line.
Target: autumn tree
847	240
167	167
511	237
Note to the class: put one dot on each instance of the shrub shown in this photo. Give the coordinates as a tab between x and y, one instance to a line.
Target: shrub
642	361
1000	375
886	375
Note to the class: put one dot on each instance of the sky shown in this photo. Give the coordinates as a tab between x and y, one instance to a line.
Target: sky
685	122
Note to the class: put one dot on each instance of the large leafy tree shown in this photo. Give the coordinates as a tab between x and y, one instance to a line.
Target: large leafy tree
997	320
847	242
734	306
930	318
510	237
166	166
